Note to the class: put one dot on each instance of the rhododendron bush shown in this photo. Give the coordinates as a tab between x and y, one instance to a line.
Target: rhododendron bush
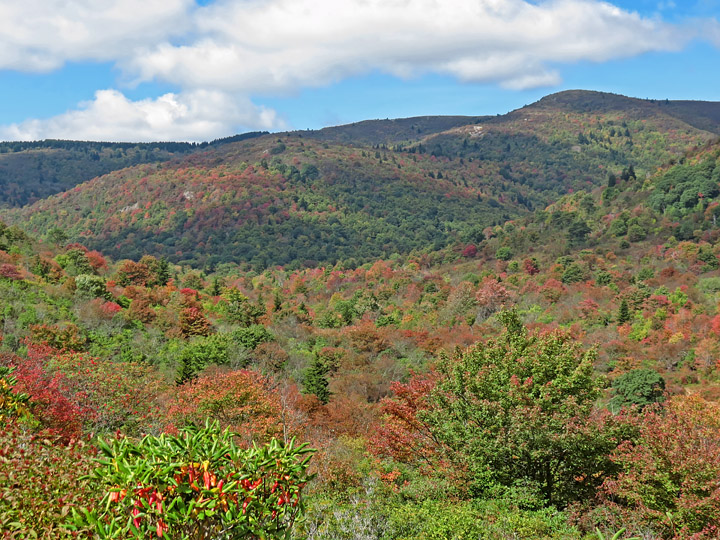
197	485
41	481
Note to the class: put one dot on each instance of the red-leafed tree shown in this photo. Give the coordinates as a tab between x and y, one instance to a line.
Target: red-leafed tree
490	297
402	435
670	478
470	251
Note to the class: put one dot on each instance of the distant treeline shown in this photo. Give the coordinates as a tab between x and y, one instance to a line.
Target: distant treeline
169	146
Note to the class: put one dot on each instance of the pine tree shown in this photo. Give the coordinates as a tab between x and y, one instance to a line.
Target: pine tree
217	287
163	271
316	379
623	312
186	370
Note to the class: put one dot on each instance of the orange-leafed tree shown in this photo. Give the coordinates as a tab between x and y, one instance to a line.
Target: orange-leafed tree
239	400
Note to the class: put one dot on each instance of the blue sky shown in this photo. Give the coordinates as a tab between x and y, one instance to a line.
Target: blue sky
188	70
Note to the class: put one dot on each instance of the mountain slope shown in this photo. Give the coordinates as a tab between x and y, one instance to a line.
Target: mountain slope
30	171
389	132
309	204
288	199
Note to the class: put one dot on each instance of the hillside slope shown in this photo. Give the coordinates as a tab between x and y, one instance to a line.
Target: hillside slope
30	171
301	199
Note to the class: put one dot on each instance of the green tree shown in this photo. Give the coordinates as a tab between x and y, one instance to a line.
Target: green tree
636	233
639	387
623	315
163	272
578	232
573	273
57	236
74	262
239	309
504	253
518	409
316	379
92	286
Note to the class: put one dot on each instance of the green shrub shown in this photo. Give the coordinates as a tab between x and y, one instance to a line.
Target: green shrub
639	387
504	253
198	484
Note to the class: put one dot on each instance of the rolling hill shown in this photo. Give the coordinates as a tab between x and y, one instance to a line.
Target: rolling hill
304	198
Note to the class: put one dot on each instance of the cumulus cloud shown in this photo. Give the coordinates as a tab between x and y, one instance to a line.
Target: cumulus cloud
196	115
222	54
41	35
281	45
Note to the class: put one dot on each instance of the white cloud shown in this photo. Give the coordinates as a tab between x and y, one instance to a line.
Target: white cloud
191	116
263	46
222	54
41	35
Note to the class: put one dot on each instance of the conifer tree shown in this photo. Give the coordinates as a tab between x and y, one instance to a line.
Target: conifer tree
316	379
623	312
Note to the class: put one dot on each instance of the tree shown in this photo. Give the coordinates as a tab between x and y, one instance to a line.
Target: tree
132	273
316	379
639	387
636	233
519	409
92	286
623	312
503	253
490	297
57	236
578	232
573	274
239	400
531	266
162	271
194	323
238	308
470	251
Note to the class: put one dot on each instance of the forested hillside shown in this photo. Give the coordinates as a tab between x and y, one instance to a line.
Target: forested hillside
555	375
299	199
30	171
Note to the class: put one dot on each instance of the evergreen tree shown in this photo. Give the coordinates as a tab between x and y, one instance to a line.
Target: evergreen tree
578	232
186	370
623	312
163	271
217	287
316	379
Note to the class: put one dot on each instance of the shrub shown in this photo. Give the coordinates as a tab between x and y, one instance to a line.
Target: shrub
198	484
639	387
671	472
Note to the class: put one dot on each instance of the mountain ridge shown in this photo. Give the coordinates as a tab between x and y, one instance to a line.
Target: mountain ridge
302	198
